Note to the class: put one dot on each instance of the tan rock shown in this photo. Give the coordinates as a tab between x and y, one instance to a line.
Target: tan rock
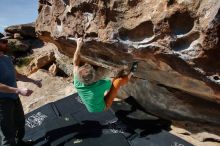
40	61
176	43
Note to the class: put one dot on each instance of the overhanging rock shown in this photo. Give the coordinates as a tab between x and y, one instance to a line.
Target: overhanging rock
176	42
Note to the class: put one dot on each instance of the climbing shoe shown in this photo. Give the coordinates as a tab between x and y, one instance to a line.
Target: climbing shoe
134	66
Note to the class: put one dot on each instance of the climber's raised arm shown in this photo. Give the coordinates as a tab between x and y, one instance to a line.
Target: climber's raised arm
76	58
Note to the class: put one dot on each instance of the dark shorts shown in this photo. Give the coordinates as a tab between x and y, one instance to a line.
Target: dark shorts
12	121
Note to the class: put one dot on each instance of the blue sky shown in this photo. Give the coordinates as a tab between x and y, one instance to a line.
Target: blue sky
17	12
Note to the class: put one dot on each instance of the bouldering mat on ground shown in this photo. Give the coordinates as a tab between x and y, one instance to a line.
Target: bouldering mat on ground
66	122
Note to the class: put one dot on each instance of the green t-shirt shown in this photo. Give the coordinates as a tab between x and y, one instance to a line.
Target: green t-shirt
93	95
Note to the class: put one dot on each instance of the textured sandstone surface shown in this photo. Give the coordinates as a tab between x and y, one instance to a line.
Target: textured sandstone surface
53	88
176	42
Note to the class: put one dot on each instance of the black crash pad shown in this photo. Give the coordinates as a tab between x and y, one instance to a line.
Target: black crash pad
66	122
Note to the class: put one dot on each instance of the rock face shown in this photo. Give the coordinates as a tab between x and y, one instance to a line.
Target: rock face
175	41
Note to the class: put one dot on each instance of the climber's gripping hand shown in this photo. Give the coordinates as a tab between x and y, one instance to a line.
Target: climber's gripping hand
79	43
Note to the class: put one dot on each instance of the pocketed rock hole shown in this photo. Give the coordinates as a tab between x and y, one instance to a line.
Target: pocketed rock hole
181	23
170	2
209	60
59	73
216	77
59	25
139	33
58	21
92	35
184	43
84	8
45	2
133	3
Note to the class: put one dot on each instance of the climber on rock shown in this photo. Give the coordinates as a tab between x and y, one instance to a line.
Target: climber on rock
96	92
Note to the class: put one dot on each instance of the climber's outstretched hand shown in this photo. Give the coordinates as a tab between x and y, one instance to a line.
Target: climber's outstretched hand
76	57
79	43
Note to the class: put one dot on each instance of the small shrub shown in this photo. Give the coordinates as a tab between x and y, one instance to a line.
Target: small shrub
24	61
13	47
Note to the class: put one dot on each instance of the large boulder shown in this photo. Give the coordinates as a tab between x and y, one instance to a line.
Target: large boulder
175	41
25	30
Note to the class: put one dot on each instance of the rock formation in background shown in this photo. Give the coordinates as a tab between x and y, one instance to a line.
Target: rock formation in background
176	42
25	30
22	37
